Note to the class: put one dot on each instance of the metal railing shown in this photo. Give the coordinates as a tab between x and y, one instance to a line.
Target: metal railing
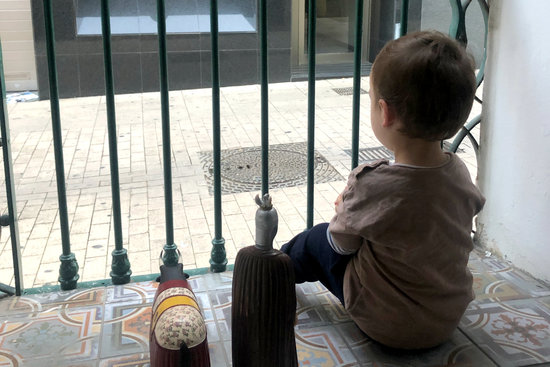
121	268
458	31
11	218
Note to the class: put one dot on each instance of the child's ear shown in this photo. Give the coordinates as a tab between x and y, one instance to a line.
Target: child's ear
387	113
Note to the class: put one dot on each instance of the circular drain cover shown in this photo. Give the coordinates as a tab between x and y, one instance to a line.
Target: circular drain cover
241	169
245	167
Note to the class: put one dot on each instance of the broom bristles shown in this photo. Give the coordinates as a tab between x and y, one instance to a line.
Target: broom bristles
263	309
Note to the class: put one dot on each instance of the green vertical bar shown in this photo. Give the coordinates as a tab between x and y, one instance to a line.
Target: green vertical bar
357	83
404	17
10	187
218	257
170	255
120	267
312	31
264	96
68	270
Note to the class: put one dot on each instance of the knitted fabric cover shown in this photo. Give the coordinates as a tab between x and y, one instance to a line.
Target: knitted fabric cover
177	321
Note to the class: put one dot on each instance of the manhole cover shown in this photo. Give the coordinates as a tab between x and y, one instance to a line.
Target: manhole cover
241	169
348	91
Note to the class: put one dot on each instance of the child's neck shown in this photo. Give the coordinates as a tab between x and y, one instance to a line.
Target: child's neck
422	153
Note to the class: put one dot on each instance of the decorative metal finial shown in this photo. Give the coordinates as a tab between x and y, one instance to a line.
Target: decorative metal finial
267	223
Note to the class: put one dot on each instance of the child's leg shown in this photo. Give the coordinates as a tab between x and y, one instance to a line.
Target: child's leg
314	260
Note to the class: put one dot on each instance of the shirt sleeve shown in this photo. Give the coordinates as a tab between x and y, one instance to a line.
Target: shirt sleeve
346	240
341	237
358	208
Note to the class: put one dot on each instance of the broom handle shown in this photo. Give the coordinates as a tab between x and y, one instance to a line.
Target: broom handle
264	96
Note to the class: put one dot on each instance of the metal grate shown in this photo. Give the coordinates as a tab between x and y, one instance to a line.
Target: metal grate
348	91
375	153
372	154
241	169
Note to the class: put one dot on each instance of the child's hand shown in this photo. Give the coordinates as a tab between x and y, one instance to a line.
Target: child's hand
337	202
339	199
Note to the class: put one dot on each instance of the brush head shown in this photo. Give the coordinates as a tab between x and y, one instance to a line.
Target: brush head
267	223
263	309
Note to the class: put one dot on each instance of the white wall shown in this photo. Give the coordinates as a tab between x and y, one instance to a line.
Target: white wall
515	136
17	45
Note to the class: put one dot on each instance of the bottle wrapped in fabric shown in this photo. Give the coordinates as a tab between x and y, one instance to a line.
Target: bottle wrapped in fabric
263	309
178	332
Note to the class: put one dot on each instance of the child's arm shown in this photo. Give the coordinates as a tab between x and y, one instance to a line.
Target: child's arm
344	244
342	241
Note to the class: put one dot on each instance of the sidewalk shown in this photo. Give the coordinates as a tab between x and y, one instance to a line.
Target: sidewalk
86	157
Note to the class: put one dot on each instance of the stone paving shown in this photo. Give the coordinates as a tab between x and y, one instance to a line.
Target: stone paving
87	170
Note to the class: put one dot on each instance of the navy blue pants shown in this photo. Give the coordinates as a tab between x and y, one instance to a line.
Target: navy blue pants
314	260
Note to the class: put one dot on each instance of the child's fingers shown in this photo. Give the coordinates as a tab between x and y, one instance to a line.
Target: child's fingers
337	201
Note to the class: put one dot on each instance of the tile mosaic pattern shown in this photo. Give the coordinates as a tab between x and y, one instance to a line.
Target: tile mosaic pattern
507	325
510	318
49	337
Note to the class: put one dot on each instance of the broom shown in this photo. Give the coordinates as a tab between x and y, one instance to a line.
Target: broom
264	299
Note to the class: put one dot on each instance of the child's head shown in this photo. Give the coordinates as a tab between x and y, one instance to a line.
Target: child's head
428	81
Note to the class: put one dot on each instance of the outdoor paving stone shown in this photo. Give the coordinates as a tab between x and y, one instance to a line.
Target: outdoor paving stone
140	154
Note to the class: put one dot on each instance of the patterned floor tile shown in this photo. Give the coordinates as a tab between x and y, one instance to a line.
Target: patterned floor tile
125	329
205	305
514	333
110	326
33	304
133	360
8	359
491	287
51	362
135	293
53	338
207	310
13	306
211	281
458	351
220	354
316	306
497	280
212	332
62	363
322	347
314	293
221	306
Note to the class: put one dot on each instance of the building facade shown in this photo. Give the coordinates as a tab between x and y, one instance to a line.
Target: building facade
79	46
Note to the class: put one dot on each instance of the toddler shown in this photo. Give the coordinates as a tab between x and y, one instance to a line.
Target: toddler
396	251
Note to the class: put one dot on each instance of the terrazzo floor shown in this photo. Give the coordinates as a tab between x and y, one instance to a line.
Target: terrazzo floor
507	325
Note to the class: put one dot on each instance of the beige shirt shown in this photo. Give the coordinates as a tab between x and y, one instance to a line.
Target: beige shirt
408	284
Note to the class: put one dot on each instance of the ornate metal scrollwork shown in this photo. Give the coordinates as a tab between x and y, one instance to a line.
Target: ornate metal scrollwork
458	31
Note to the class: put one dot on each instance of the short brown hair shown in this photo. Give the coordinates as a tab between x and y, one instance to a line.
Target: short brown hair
428	80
